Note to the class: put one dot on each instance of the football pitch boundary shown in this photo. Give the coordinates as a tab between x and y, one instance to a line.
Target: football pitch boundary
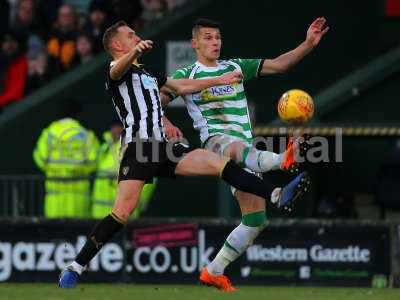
131	291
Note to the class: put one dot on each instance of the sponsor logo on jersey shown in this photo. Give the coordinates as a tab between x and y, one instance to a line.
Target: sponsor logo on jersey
216	93
148	82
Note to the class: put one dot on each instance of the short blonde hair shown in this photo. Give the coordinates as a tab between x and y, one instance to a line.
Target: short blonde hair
110	33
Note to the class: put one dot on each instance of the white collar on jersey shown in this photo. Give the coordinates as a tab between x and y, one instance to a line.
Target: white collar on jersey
204	67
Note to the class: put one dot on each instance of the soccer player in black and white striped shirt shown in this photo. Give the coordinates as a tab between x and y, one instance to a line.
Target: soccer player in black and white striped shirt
135	92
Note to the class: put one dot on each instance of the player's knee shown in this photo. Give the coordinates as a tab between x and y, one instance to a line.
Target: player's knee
209	160
235	151
214	162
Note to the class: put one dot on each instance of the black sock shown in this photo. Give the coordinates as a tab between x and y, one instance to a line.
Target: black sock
100	235
245	181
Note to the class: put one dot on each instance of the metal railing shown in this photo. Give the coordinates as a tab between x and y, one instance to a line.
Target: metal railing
24	195
21	195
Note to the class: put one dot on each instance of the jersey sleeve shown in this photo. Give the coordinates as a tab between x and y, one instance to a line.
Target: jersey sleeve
111	81
161	79
181	74
250	67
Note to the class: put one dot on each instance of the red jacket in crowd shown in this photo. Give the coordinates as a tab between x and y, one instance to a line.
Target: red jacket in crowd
14	81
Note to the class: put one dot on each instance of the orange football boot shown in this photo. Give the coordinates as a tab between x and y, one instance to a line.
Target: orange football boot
289	163
220	282
297	147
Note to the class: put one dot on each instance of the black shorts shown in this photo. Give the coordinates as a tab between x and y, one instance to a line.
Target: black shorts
145	160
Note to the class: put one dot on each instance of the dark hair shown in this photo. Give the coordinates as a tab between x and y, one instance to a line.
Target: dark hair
71	109
87	36
110	33
101	6
12	35
204	23
72	8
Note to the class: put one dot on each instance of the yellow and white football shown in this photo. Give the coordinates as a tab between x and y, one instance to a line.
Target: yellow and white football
296	107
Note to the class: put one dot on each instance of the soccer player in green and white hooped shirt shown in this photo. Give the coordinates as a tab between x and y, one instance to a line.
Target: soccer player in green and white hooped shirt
221	116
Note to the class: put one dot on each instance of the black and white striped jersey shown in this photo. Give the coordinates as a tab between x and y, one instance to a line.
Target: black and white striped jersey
136	99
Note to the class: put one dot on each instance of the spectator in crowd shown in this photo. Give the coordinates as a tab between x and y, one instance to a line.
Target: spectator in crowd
97	23
13	69
29	19
62	43
27	22
153	9
49	10
105	185
66	152
84	49
39	72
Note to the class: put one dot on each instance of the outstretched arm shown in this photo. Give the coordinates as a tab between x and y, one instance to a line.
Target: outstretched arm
187	86
286	61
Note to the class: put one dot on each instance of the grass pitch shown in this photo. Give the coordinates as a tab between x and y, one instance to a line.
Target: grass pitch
174	292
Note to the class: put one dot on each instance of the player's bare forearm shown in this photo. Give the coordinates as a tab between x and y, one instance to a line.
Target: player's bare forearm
286	61
188	86
123	64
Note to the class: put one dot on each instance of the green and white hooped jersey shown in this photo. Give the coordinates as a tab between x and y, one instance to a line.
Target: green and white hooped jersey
221	109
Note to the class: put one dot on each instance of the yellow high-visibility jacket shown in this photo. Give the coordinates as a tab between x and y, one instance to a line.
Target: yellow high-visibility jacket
66	152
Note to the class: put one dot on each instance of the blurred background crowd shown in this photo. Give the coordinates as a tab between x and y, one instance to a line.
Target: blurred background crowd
42	39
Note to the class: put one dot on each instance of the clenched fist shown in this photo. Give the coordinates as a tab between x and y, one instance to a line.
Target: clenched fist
144	46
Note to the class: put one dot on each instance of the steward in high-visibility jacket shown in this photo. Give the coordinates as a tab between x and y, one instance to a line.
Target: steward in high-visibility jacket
105	185
66	152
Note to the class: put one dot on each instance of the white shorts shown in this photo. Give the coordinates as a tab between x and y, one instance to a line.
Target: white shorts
218	144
